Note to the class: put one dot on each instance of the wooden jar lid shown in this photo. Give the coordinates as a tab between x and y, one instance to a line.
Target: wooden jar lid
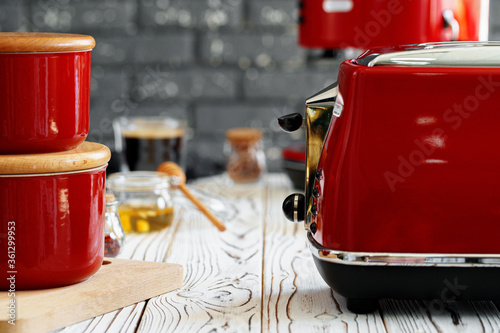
243	135
110	198
13	42
88	155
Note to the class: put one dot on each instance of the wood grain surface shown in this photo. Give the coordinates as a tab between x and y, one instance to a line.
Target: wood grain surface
118	283
87	156
44	42
259	276
173	170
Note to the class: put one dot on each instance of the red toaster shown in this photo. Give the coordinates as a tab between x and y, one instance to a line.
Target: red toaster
338	24
402	194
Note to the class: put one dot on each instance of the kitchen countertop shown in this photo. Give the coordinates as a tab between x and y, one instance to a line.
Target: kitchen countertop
259	275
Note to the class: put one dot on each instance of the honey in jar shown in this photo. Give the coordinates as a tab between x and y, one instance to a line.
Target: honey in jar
145	217
145	200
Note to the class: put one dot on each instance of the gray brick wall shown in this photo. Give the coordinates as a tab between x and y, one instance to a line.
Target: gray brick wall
191	13
272	12
92	16
12	17
494	20
251	48
215	63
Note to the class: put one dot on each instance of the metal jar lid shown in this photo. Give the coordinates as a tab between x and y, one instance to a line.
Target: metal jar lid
31	42
88	155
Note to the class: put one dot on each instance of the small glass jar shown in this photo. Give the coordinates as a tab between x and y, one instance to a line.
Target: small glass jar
113	230
145	200
146	142
246	161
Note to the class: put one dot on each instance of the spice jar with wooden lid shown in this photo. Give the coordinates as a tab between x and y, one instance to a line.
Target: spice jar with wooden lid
246	161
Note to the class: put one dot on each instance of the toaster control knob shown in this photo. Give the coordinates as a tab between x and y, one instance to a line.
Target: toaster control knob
294	207
291	122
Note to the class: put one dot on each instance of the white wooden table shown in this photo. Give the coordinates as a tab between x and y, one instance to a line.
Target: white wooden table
259	276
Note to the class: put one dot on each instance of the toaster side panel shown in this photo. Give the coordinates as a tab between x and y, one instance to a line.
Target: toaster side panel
412	164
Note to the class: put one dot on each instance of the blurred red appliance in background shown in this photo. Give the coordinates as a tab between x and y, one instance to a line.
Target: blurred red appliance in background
362	24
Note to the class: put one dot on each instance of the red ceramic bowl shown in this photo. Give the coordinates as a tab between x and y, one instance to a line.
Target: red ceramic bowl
52	224
44	91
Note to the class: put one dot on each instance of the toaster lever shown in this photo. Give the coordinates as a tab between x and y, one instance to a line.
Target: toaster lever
294	207
291	122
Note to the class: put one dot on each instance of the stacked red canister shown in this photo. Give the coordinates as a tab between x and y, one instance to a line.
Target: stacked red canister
52	182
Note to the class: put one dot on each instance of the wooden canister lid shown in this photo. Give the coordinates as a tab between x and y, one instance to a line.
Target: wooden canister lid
88	155
14	42
243	135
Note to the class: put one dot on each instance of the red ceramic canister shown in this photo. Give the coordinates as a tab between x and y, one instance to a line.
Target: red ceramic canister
52	217
44	91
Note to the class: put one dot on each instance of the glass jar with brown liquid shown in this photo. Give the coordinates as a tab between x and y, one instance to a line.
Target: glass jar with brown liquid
146	142
145	200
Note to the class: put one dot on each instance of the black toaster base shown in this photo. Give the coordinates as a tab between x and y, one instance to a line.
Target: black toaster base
363	286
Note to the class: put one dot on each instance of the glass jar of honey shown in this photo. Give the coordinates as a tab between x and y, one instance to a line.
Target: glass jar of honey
145	200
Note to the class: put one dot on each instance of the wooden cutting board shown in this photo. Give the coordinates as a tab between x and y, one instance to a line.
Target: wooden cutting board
117	284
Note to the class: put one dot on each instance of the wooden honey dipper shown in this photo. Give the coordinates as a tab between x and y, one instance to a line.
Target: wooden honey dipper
174	170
